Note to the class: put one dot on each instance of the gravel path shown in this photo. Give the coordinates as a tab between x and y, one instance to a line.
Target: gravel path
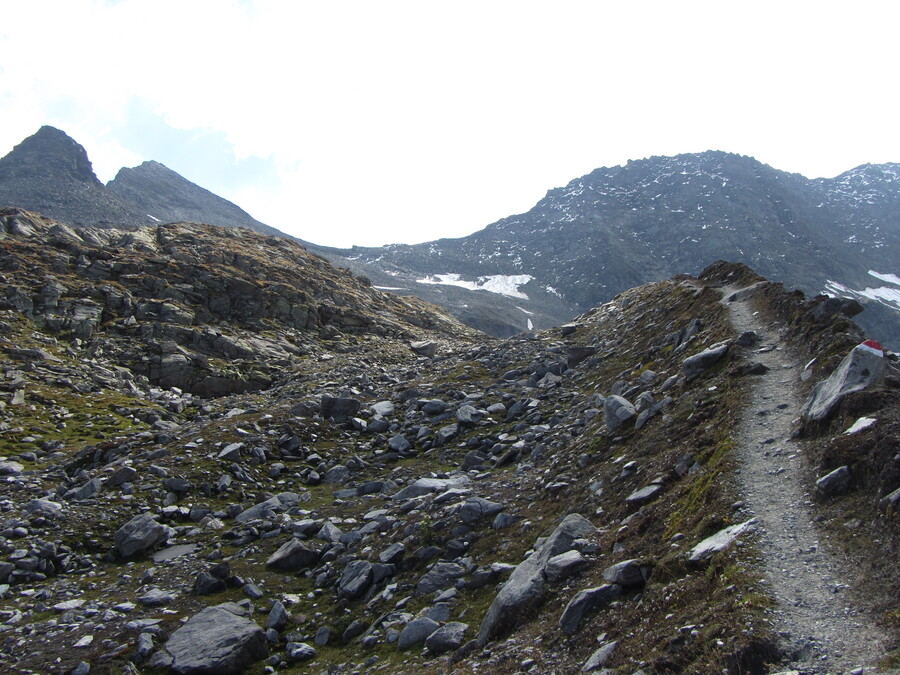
814	615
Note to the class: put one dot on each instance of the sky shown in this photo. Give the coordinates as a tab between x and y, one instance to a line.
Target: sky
375	122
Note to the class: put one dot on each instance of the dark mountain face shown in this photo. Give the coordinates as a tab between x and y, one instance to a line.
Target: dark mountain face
620	227
169	197
50	173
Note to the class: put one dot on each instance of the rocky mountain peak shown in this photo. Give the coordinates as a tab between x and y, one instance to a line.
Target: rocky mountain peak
49	153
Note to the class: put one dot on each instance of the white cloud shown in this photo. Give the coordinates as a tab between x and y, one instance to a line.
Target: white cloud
407	121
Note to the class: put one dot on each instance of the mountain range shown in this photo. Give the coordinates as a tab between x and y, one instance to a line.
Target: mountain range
579	246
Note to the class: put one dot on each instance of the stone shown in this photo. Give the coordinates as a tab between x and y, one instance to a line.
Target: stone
293	555
10	468
86	491
217	640
300	651
476	508
448	637
446	434
336	475
696	365
524	589
587	601
644	494
468	415
383	408
398	443
600	657
278	616
323	635
138	535
44	507
156	597
617	411
393	554
329	532
442	575
863	367
424	486
425	348
720	540
625	573
207	584
564	565
124	474
835	483
231	452
339	409
355	580
416	632
268	509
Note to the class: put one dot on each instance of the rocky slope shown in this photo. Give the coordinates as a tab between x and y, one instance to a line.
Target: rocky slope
619	227
221	454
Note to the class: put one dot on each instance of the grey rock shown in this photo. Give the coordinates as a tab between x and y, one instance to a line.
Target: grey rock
888	502
446	638
44	507
644	494
695	365
293	555
323	635
425	348
476	508
617	411
156	597
329	532
625	573
587	601
207	584
835	483
339	409
446	434
124	474
434	407
720	540
442	575
10	468
355	580
336	475
468	415
600	657
524	589
863	367
424	486
383	408
398	443
86	491
300	651
138	535
564	565
416	632
231	452
278	616
217	640
393	554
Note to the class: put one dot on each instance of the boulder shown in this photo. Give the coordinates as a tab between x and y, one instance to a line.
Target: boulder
425	348
446	638
625	573
835	483
339	409
863	367
524	589
617	411
586	601
217	640
293	555
355	580
564	565
424	486
599	658
416	632
476	508
442	575
138	535
695	365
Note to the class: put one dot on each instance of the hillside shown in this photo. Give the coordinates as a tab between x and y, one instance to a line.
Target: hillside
222	454
620	227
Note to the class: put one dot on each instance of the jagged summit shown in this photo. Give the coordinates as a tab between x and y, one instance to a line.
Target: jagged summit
50	173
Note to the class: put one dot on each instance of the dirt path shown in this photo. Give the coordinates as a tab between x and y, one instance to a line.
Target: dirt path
814	615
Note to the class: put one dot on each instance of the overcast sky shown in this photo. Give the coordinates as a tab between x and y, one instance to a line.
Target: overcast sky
375	122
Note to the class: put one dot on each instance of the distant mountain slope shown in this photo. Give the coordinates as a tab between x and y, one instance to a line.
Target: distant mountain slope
619	227
169	197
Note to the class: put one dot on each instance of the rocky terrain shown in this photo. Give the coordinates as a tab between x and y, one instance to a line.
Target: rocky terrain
220	454
619	227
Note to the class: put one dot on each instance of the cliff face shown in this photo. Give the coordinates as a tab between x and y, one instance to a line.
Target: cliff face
233	452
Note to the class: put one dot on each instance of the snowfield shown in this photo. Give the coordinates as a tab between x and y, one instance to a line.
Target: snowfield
502	284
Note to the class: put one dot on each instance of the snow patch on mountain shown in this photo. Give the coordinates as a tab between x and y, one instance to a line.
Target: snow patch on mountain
886	295
502	284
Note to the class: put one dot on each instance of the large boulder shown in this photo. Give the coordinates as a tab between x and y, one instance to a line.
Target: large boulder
861	368
695	365
138	535
355	580
339	409
617	411
292	556
218	640
524	589
720	540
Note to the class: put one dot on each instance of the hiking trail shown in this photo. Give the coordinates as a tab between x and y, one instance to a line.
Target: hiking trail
820	628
